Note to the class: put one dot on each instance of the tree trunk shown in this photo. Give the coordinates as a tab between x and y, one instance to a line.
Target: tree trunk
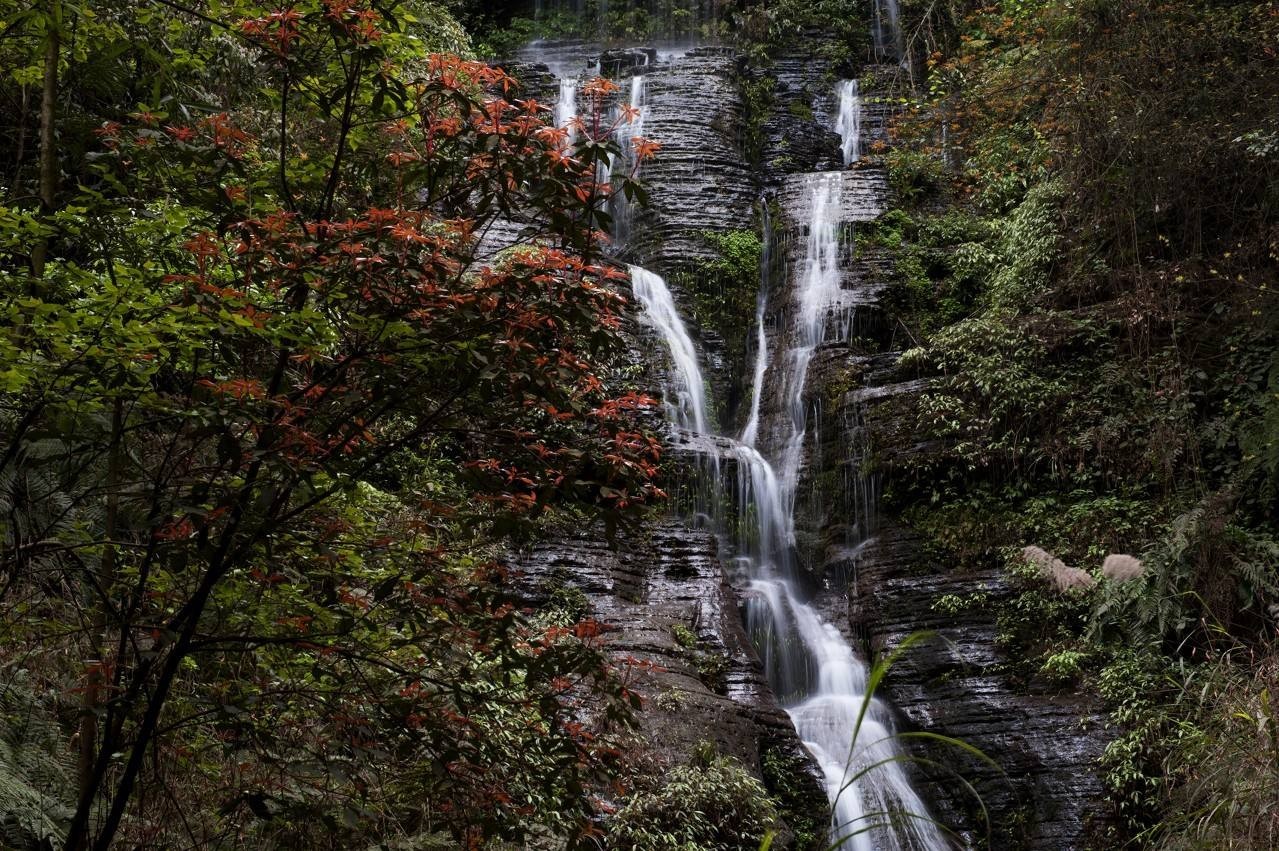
95	676
48	141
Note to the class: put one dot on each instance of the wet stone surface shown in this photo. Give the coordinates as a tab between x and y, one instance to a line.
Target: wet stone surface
654	589
666	579
1046	793
699	181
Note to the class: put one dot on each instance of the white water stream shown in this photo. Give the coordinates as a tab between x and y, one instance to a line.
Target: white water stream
626	164
887	31
810	665
566	106
808	662
688	407
751	432
826	703
848	123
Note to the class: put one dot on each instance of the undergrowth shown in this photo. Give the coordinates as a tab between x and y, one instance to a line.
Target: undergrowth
1086	263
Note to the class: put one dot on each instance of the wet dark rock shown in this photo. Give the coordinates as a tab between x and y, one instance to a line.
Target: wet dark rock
1046	793
798	130
698	181
626	60
883	89
535	79
573	58
653	588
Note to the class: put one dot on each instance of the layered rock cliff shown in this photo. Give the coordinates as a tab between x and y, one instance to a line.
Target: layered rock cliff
665	588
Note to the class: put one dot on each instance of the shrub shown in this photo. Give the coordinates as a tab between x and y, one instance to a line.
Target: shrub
912	174
711	805
1205	572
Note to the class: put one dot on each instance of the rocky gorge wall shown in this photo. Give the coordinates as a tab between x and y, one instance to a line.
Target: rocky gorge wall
660	584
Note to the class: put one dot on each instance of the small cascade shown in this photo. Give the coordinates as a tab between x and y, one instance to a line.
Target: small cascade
688	410
849	122
818	282
626	163
751	432
886	31
629	130
566	106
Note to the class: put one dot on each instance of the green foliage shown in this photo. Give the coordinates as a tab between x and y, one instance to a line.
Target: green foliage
800	109
758	96
1136	686
265	424
439	31
35	774
684	636
781	771
937	283
567	605
710	805
998	379
505	41
707	659
763	29
1063	667
723	288
1100	342
1025	247
953	604
1038	621
1225	757
1204	573
596	20
671	700
1193	764
1252	418
912	174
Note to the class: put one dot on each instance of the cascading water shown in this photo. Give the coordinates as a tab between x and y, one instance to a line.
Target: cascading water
566	106
818	282
626	163
848	124
810	666
887	30
688	409
751	432
833	682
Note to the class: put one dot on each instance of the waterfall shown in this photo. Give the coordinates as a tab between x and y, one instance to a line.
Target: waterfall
566	106
818	282
887	30
810	666
824	691
751	432
849	123
619	205
688	411
626	131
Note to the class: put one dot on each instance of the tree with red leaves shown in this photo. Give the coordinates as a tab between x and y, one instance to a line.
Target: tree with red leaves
282	396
